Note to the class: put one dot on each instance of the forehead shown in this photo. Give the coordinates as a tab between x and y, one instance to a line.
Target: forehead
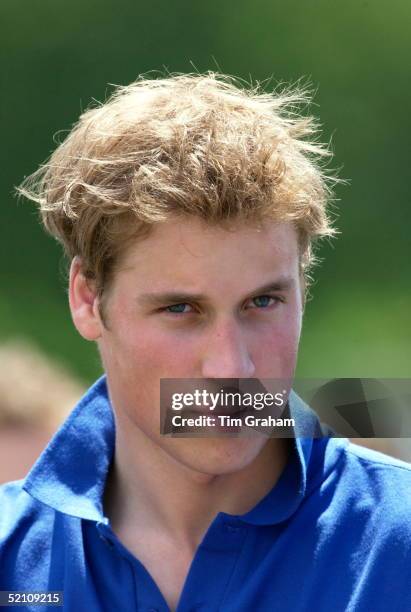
188	248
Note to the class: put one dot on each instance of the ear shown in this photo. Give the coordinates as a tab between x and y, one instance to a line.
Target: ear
83	302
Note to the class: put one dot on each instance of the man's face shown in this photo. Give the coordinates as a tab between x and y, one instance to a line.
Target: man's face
219	323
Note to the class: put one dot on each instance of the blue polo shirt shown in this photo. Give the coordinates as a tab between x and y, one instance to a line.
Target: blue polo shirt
334	533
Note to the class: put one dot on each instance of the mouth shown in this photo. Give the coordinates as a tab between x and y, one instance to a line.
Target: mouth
218	411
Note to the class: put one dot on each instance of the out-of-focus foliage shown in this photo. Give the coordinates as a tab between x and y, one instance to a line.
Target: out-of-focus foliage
56	56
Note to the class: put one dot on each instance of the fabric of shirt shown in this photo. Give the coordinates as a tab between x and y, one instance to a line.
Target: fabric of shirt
333	534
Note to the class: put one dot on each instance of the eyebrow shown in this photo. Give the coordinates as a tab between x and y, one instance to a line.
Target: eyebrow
173	297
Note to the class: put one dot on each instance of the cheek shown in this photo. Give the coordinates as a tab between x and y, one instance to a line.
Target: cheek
153	354
136	362
275	352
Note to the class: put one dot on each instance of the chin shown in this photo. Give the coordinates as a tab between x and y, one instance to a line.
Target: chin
217	456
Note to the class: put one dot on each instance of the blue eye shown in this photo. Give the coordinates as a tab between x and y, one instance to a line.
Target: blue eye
176	308
262	301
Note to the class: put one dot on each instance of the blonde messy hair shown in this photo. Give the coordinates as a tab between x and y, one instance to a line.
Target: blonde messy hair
187	144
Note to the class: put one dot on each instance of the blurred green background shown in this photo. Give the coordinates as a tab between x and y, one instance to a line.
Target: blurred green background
57	56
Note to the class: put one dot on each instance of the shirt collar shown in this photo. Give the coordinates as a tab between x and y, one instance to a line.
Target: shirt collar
70	474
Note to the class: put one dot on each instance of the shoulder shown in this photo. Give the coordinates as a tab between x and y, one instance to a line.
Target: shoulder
373	488
362	502
23	520
379	467
16	506
352	459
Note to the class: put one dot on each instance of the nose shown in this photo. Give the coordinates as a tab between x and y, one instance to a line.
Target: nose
226	354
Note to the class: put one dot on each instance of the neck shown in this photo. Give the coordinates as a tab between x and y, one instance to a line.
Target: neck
148	491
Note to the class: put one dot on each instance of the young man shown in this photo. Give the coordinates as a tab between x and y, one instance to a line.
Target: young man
188	207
